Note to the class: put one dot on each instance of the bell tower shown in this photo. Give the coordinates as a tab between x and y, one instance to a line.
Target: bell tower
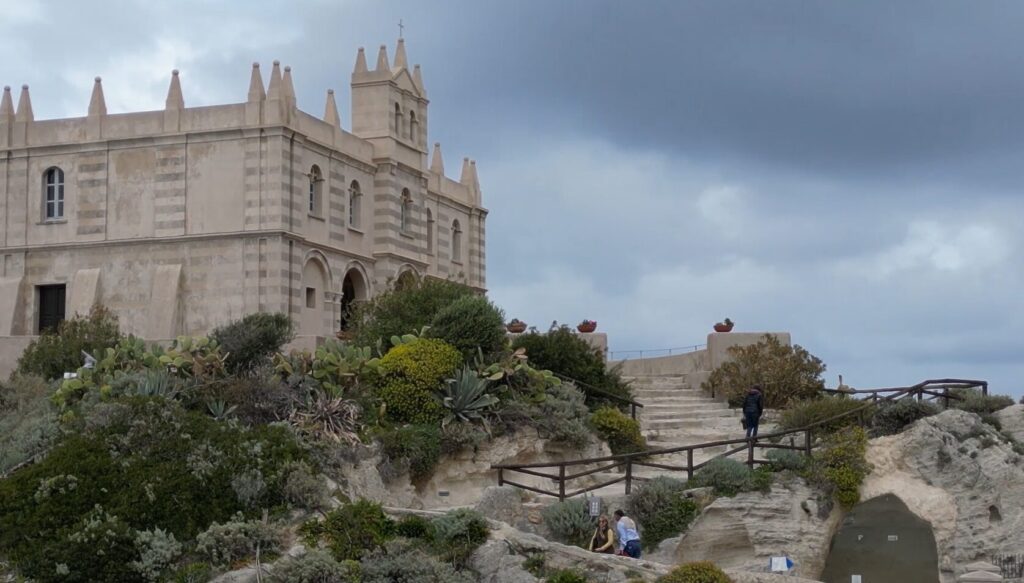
389	103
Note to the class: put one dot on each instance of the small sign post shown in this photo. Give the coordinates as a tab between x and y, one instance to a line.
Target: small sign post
594	504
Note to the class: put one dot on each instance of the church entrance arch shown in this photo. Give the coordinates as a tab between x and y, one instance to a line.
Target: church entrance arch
313	298
406	279
353	290
882	540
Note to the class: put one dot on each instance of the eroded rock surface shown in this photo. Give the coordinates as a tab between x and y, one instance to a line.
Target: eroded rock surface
1012	420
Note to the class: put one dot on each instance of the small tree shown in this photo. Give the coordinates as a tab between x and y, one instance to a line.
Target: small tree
53	354
787	374
253	340
401	311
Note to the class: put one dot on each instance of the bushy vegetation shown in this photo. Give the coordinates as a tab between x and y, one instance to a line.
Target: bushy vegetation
55	353
729	477
412	373
416	448
662	508
457	534
472	324
402	562
787	374
570	521
814	411
351	531
620	430
562	351
401	311
786	459
252	341
840	467
28	421
126	468
567	576
974	402
893	416
557	410
238	539
697	572
315	566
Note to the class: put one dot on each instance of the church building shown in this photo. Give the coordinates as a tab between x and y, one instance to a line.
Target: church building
183	219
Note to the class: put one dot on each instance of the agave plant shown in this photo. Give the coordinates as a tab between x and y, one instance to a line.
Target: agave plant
466	397
327	416
219	409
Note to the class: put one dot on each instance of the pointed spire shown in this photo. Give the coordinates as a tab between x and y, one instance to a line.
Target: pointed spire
382	60
400	59
97	104
467	173
331	110
436	161
289	88
6	104
24	106
275	91
476	179
361	61
417	77
175	100
256	91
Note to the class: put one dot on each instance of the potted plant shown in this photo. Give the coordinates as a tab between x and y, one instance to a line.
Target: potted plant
725	326
587	326
516	326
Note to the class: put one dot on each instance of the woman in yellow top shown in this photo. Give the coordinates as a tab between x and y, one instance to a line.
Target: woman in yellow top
603	540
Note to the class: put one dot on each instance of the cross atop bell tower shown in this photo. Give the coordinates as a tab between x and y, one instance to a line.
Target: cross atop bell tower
389	102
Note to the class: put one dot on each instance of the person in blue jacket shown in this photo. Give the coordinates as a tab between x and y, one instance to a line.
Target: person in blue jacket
753	407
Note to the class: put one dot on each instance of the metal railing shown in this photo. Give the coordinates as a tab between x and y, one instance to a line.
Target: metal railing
653	352
592	392
925	390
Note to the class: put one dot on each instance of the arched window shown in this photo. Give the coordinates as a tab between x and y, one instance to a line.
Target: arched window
53	193
430	231
414	128
406	213
316	187
398	120
456	241
354	204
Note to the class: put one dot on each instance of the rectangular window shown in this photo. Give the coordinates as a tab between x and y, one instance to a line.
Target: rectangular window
51	307
310	297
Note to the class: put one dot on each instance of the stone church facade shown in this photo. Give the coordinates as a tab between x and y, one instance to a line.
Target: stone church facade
183	219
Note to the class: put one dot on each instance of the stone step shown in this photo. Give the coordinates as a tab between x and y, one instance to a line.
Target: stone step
642	394
685	415
694	423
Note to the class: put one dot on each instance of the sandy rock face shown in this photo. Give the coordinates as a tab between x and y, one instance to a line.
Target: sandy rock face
745	531
960	475
1012	420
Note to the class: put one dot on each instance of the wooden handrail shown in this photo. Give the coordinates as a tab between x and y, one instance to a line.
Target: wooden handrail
744	444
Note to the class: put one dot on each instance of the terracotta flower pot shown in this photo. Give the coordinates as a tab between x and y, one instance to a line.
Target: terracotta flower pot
516	328
587	328
723	327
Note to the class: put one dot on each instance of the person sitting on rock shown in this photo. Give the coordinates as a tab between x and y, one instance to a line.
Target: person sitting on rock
629	539
603	540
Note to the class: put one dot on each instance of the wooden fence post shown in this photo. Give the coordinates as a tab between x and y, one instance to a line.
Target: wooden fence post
750	453
561	483
501	476
629	475
807	445
689	464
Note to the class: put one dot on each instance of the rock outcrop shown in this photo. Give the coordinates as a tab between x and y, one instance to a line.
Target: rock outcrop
960	475
744	532
1012	420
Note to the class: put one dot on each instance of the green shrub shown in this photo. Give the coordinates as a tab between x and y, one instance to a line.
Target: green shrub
28	421
534	564
974	402
727	476
787	374
157	550
412	374
786	459
662	509
810	412
134	459
840	467
414	527
400	311
570	521
303	488
458	533
315	566
562	351
193	573
698	572
567	576
351	531
893	416
556	410
416	447
55	353
620	431
402	562
238	539
471	324
253	340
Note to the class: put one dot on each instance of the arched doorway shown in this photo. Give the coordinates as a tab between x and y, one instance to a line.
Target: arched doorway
313	296
353	290
882	540
406	279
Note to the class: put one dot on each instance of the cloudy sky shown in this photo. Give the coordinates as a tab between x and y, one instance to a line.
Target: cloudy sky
850	172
